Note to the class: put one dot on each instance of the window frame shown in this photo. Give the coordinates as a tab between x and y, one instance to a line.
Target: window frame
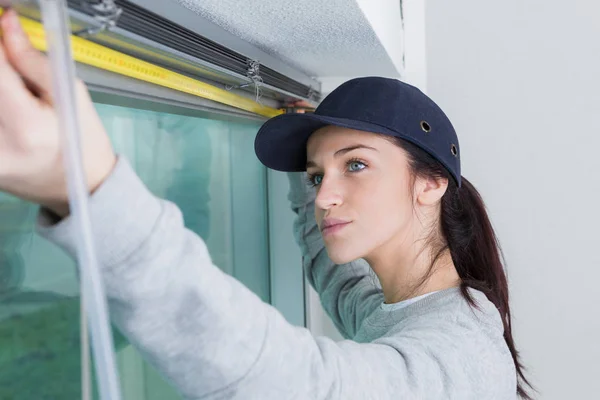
287	290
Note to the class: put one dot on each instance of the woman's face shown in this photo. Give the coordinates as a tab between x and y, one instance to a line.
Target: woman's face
363	198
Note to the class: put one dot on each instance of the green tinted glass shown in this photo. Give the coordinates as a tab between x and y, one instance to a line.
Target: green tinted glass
208	168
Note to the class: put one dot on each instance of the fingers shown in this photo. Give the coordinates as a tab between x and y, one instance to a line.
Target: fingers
31	64
14	96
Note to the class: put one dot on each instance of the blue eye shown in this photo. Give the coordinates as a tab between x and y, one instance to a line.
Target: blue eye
315	180
354	166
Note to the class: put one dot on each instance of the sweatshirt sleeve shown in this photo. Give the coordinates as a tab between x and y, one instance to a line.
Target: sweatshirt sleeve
348	292
209	335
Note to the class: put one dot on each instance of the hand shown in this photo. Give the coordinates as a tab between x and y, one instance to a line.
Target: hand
31	165
301	106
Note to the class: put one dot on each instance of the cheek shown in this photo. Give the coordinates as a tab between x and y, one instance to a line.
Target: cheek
385	213
381	211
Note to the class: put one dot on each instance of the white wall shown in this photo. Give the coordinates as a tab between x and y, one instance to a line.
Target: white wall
385	18
520	79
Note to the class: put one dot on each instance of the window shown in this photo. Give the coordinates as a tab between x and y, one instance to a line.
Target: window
208	168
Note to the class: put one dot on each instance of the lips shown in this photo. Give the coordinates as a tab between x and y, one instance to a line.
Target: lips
333	225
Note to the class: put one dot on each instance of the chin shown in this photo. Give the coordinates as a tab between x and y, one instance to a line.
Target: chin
341	254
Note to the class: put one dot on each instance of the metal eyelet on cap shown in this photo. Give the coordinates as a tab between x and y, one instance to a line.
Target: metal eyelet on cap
454	150
425	126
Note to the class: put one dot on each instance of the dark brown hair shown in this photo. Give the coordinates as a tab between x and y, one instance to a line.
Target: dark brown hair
469	236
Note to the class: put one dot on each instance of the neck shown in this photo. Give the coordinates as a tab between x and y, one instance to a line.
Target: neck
406	274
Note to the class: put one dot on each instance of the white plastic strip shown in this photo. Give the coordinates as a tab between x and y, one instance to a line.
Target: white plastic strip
86	373
54	15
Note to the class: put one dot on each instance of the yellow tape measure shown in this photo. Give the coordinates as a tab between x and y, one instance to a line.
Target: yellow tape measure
98	56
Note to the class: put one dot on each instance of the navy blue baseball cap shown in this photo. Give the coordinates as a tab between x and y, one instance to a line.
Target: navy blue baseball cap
372	104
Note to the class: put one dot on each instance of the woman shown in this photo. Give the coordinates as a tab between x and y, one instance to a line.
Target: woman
439	326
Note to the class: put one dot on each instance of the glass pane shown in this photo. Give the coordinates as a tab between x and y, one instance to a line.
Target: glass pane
208	168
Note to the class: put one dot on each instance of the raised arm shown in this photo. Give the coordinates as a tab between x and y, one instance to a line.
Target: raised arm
348	292
203	330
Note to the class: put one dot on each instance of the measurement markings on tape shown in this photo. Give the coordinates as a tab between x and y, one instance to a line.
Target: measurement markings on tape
95	55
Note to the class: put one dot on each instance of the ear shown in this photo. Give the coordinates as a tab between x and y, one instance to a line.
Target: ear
429	191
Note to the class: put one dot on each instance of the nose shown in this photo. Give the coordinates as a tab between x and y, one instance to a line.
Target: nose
328	195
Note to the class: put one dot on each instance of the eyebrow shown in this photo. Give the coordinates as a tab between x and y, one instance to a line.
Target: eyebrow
343	151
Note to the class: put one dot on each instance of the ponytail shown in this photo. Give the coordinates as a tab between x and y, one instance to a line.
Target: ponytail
472	242
477	257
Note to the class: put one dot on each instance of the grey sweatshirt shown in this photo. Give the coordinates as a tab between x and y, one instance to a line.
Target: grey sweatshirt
212	338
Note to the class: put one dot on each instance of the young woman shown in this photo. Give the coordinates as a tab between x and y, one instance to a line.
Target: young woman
387	196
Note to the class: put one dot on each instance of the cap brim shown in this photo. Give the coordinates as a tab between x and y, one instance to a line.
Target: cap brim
281	142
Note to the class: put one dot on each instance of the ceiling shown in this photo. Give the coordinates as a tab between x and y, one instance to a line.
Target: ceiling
322	38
